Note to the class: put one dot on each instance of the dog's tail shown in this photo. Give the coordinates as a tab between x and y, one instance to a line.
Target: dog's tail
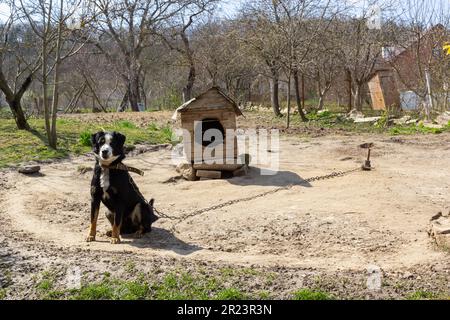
154	216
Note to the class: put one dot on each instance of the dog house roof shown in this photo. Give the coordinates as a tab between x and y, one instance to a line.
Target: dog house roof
213	98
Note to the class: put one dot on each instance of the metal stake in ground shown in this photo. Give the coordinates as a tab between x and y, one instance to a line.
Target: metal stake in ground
367	166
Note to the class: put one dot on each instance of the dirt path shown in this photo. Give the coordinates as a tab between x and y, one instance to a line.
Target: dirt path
347	223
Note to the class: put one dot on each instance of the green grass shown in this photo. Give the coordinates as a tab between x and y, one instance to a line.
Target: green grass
176	286
307	294
422	295
2	294
230	294
46	287
124	124
112	289
173	286
19	146
417	129
336	120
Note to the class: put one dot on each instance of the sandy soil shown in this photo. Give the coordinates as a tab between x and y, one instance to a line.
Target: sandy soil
332	226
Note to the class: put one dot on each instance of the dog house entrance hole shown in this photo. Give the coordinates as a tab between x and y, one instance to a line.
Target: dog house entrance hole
210	123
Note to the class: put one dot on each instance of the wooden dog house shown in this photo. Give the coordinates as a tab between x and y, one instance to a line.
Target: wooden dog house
212	109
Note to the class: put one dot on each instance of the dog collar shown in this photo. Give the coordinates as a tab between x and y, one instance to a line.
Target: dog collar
121	166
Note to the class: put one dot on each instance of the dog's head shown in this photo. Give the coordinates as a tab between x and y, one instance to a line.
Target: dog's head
108	146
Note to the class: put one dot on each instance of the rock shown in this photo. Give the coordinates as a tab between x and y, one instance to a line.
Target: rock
403	120
429	124
29	169
436	216
443	119
439	230
366	119
354	114
412	121
187	171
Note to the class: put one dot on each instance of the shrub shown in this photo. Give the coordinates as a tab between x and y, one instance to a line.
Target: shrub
85	138
125	124
307	294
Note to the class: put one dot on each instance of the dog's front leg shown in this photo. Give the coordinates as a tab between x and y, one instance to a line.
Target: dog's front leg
115	234
95	207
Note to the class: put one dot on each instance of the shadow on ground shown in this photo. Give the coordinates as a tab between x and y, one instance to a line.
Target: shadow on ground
163	239
267	177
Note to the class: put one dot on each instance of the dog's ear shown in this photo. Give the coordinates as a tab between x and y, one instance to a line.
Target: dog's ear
120	138
150	203
94	139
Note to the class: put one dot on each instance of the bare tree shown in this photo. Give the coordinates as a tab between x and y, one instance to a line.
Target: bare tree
259	20
49	20
179	32
416	53
128	25
19	62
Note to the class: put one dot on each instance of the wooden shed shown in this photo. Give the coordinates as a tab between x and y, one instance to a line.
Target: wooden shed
212	109
383	90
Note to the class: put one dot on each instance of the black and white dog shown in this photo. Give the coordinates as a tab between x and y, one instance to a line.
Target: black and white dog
112	185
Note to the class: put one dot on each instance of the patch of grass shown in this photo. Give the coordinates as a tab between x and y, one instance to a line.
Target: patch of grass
109	289
164	134
2	294
130	267
227	271
20	146
307	294
325	114
175	285
416	129
184	286
125	124
422	295
271	278
264	295
46	287
85	138
230	294
5	113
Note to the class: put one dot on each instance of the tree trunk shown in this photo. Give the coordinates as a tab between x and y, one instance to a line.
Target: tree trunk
297	97
187	90
274	88
357	98
123	104
19	116
134	95
13	99
349	79
288	118
322	94
320	104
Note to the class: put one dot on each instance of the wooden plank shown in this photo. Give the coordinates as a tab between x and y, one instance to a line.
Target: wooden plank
376	93
210	174
217	166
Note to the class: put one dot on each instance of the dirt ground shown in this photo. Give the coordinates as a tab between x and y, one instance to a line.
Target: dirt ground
336	227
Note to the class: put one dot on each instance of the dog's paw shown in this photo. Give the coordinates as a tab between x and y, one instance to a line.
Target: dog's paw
109	233
115	240
90	238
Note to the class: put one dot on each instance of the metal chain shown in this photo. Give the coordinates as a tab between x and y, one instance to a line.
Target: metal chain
231	202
